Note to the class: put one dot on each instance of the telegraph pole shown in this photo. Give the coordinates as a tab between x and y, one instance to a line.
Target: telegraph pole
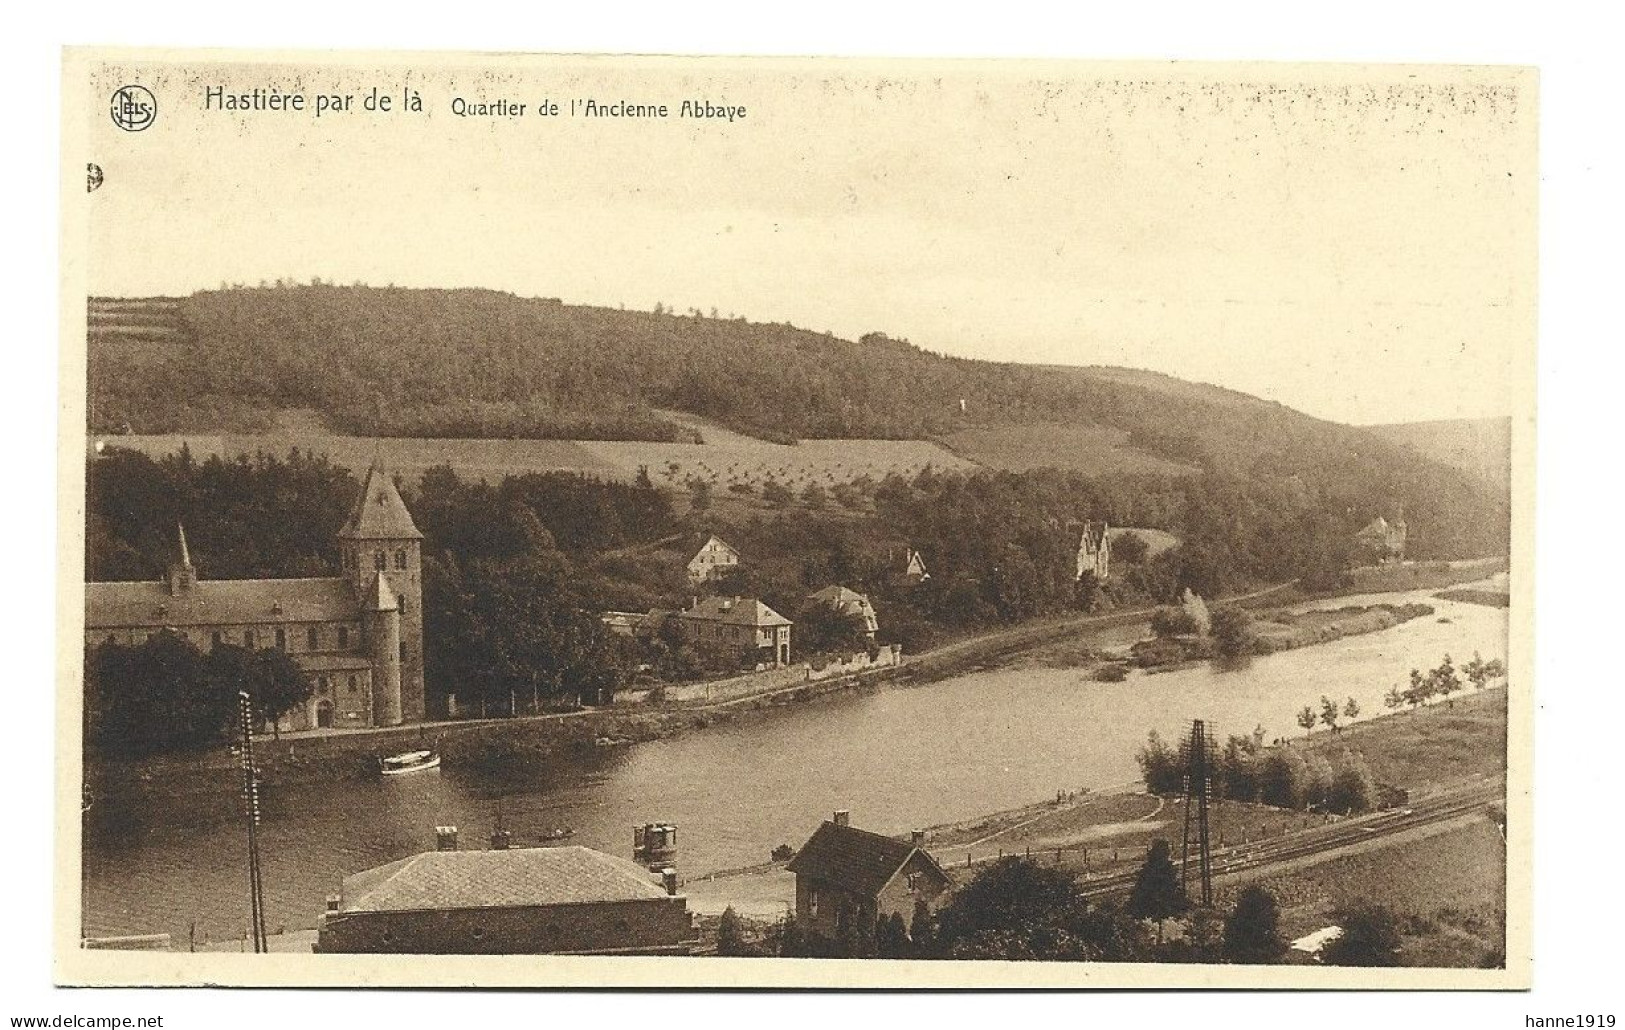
251	802
1198	788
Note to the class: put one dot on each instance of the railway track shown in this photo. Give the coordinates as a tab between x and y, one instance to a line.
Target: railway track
1347	832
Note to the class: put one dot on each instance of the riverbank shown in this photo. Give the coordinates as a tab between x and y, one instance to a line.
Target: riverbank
1099	835
338	756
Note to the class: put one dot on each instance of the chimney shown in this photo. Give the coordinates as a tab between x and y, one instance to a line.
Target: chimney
843	817
500	840
668	879
917	838
445	838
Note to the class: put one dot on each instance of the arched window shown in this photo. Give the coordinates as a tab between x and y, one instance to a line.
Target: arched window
400	558
311	639
380	560
248	639
352	684
344	637
281	639
216	638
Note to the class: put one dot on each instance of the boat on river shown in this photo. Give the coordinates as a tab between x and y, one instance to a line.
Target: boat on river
408	762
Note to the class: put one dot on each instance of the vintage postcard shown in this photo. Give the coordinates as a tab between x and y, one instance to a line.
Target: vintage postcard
602	520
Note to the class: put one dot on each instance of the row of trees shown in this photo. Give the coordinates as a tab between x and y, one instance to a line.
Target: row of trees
1443	681
1282	776
165	694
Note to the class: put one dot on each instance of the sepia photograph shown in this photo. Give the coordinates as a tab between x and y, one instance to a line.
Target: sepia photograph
605	521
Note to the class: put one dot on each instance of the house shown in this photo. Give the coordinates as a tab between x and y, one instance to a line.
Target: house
914	572
1382	540
1095	552
847	878
358	636
848	604
739	626
712	559
518	901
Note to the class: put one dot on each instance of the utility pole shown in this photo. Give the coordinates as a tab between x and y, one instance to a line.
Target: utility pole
251	802
1199	755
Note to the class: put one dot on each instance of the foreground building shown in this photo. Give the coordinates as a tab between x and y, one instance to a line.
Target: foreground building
848	878
519	901
357	636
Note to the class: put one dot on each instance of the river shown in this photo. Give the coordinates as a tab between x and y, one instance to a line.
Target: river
898	759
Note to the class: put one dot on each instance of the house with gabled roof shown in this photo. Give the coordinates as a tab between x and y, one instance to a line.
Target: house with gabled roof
1095	551
714	557
737	626
849	604
849	879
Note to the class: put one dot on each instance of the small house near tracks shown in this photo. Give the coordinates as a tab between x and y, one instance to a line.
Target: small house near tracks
847	878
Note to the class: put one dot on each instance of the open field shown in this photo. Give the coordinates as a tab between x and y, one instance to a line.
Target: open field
1095	450
725	458
1445	742
1447	886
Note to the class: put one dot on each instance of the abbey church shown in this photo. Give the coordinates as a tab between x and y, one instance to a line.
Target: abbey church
357	636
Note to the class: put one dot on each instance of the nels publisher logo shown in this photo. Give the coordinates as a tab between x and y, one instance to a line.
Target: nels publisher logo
134	108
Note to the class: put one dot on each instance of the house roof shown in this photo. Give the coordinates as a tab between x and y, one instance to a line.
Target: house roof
860	860
513	878
735	611
698	544
225	602
847	602
379	513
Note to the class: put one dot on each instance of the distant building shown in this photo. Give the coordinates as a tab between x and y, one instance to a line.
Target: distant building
1382	540
357	636
521	901
712	559
1095	552
914	572
740	626
848	604
848	878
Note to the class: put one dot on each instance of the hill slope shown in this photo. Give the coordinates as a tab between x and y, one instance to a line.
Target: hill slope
475	363
1479	446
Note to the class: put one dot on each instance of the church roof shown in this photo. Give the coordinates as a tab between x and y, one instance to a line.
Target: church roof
511	878
226	602
379	513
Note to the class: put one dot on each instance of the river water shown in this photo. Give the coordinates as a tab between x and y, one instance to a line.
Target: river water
898	759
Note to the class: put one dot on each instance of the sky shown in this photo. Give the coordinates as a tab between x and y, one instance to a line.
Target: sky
1356	243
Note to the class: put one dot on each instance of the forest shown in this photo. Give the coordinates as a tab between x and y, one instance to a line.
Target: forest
516	572
479	363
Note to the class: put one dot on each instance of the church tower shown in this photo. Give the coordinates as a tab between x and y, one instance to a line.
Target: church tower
381	550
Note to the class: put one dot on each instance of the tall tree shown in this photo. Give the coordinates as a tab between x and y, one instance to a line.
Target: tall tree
1252	932
1157	894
